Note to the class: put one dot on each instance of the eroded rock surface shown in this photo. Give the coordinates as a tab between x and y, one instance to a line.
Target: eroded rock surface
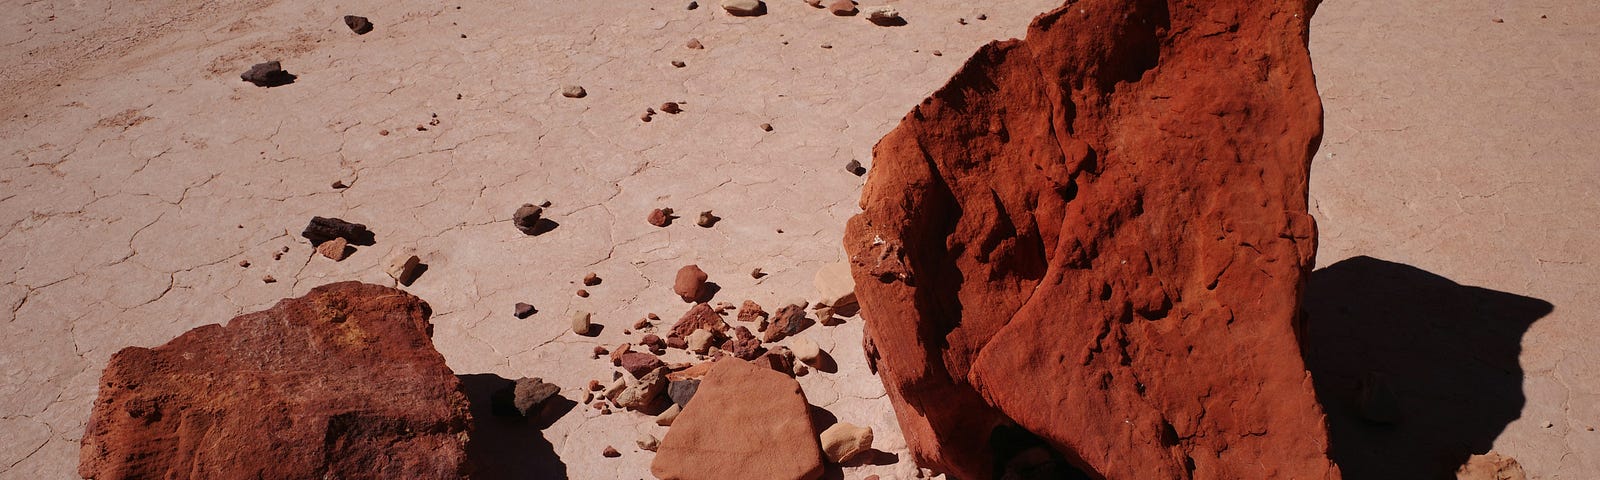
341	383
1100	235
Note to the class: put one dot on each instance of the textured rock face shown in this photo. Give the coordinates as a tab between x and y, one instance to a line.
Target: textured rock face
341	383
1099	234
747	422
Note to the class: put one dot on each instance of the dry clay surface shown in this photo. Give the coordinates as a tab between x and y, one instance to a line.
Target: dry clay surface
131	192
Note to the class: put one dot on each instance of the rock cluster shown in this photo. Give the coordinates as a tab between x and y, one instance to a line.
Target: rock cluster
1117	204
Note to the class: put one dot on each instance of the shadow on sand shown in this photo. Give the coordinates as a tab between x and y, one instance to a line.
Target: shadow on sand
510	447
1447	353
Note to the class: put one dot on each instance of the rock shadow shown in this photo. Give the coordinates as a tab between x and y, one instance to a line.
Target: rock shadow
1442	357
510	447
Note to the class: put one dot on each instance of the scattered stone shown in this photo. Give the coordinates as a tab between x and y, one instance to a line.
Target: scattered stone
835	287
648	442
766	127
671	107
690	284
615	389
610	452
522	398
679	64
339	185
645	391
1491	466
825	316
693	5
594	385
677	342
667	416
522	310
383	132
855	168
244	263
743	412
652	340
983	17
681	391
339	383
648	114
694	44
743	344
527	217
1499	20
757	273
842	8
333	249
616	355
707	219
827	45
268	279
780	360
358	24
800	370
641	324
574	91
885	16
660	217
842	441
699	317
580	323
404	266
751	311
700	341
806	350
937	53
583	293
744	8
269	74
814	3
639	363
588	397
789	320
321	229
591	279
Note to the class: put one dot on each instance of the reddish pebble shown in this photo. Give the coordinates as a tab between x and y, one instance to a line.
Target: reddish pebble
610	452
583	293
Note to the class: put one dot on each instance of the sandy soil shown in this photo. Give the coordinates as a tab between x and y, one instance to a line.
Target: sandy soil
139	171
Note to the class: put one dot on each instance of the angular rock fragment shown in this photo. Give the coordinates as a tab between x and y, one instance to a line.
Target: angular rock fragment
574	91
647	442
751	311
671	107
1105	204
323	229
267	74
694	44
522	398
644	392
610	452
743	344
884	16
334	249
842	441
639	363
358	24
744	8
789	320
591	279
404	266
835	287
660	217
855	168
669	415
681	391
700	341
690	284
707	219
742	411
340	383
527	218
522	310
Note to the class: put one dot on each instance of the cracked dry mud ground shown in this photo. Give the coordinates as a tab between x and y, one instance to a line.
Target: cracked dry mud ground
130	192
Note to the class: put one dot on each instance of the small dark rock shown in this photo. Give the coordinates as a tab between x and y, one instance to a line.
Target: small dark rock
583	293
527	217
522	310
855	168
269	74
323	229
707	219
682	391
523	398
671	107
660	217
610	452
591	279
766	127
358	24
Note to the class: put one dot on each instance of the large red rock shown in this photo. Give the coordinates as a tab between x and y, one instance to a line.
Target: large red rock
341	383
746	421
1099	234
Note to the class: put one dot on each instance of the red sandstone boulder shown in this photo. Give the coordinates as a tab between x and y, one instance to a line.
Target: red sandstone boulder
1099	234
341	383
746	421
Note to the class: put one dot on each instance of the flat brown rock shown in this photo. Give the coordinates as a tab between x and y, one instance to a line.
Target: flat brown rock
1108	217
341	383
747	421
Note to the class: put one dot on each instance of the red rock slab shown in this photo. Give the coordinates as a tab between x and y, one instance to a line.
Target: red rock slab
746	421
1099	233
341	383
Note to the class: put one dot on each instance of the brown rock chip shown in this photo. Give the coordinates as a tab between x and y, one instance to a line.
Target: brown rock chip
699	317
333	249
743	411
660	217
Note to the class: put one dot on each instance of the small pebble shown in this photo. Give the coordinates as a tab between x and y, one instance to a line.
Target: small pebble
522	310
610	452
583	293
694	44
591	279
855	168
757	273
983	17
671	107
383	132
707	220
827	45
648	442
693	5
580	323
679	64
600	350
339	185
594	385
574	91
936	53
766	127
244	263
268	279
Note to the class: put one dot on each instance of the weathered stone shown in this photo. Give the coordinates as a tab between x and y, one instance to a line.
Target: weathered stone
884	16
842	7
522	398
707	219
690	284
574	91
1105	205
669	415
647	442
742	411
591	279
267	74
615	389
343	382
404	266
616	355
697	370
640	363
681	391
751	311
1491	466
358	24
672	107
644	392
700	341
527	217
835	287
321	229
580	323
522	310
789	320
744	8
333	249
699	317
855	168
806	350
743	344
610	452
842	441
660	217
694	44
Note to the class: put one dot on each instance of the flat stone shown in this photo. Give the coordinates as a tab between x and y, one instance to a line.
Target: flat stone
358	24
835	287
842	7
333	249
640	363
267	74
522	310
700	341
681	391
842	441
742	411
574	91
744	8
